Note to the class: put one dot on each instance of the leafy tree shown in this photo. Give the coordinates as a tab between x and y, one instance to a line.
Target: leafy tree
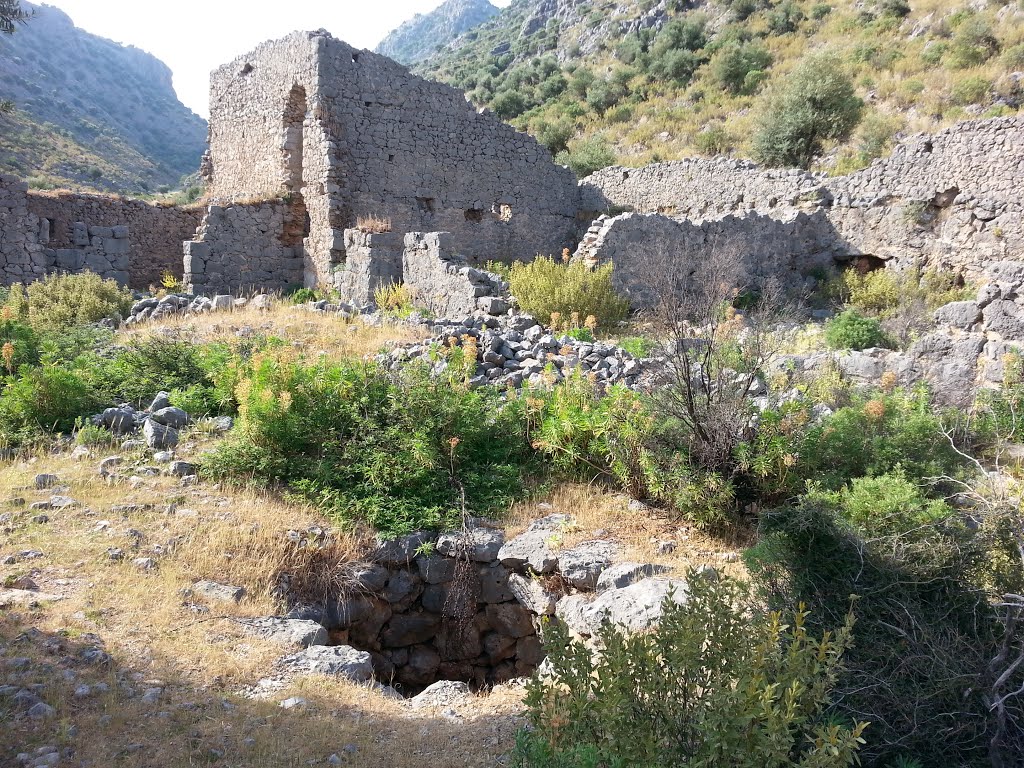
508	104
815	103
585	156
11	13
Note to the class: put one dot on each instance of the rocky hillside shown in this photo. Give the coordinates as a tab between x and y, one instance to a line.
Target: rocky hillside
91	113
642	80
423	34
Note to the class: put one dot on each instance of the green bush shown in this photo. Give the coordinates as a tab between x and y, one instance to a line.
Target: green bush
58	302
732	64
814	103
918	668
23	346
547	287
401	454
45	399
715	684
851	330
974	43
638	346
585	156
971	90
875	437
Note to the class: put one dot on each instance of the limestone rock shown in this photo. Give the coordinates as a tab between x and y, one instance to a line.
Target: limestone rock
623	574
294	633
636	607
533	548
221	593
479	544
334	661
443	693
532	595
159	436
583	564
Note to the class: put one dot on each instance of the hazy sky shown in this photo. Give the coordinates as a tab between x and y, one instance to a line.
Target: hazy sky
193	37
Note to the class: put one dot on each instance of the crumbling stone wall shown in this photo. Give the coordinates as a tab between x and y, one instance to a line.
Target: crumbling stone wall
352	133
130	241
21	256
793	247
372	260
150	246
242	249
950	200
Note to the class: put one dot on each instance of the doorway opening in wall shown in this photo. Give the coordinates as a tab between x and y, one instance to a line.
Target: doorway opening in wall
297	225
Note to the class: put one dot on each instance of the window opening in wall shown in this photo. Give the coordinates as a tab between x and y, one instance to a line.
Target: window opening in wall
505	213
297	225
246	69
425	204
625	175
391	158
355	58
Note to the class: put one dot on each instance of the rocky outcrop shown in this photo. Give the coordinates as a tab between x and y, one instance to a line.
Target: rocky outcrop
421	35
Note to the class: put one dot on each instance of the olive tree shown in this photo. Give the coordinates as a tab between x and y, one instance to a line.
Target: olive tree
814	103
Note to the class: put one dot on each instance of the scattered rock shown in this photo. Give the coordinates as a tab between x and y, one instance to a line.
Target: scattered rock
221	593
294	633
636	607
182	469
172	417
532	595
159	436
533	548
583	564
335	661
479	544
443	693
623	574
43	482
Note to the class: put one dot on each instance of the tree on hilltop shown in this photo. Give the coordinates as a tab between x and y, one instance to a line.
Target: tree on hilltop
11	13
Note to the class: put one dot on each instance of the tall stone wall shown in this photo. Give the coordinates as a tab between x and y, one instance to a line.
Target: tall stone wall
354	134
130	241
242	249
950	200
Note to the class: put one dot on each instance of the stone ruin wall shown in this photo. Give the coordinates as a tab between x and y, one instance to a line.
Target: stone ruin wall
950	200
342	133
241	249
130	241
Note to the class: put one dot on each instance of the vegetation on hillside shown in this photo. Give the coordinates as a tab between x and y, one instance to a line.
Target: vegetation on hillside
644	83
88	113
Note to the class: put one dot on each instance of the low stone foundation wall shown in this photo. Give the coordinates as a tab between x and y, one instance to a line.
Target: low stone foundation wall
950	200
138	239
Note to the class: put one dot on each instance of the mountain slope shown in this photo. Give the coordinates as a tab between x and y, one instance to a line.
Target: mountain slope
641	80
421	35
91	113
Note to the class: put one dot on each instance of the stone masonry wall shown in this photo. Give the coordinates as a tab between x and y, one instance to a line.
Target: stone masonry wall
21	256
154	233
354	134
950	200
130	241
242	249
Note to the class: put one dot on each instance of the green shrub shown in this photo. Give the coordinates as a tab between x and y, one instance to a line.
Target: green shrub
974	43
19	345
714	140
585	156
546	287
711	686
401	454
46	399
1013	57
136	373
731	65
303	296
918	668
886	505
58	302
851	330
875	437
638	346
814	103
94	437
394	300
971	90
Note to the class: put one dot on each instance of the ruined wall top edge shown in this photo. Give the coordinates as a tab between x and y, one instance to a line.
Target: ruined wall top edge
981	159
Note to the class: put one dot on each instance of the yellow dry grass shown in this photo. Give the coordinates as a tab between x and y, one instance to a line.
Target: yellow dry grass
149	624
373	223
313	333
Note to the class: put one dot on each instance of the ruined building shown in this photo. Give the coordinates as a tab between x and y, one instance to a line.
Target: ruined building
308	135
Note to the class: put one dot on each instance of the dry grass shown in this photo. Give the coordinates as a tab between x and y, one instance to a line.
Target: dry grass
640	532
158	635
373	223
315	333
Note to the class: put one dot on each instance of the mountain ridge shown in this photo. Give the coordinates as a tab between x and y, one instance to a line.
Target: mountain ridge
91	113
418	37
